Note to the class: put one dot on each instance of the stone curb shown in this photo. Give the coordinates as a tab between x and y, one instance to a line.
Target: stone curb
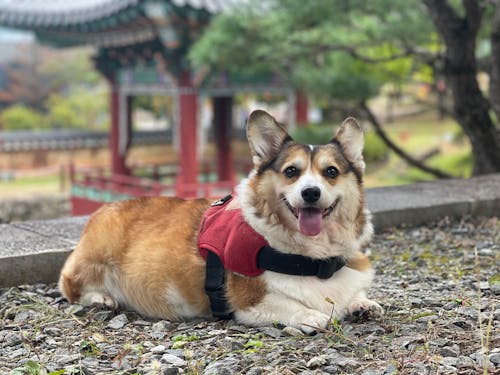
33	252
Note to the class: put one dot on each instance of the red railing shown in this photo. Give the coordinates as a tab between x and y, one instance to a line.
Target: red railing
91	188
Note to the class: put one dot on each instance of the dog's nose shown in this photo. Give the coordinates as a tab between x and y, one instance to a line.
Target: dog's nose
311	194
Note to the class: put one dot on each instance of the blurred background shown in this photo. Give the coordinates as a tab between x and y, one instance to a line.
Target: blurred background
103	100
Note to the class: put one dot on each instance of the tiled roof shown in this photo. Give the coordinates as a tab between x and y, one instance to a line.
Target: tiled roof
46	13
60	13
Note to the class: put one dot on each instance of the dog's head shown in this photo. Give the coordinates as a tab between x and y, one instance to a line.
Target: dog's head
306	188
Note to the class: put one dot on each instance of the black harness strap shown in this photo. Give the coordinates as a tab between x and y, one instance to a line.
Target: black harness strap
294	264
215	287
267	259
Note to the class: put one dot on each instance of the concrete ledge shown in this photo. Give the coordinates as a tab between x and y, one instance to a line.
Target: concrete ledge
33	252
423	202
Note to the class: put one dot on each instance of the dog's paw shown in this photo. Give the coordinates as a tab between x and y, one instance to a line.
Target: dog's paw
313	321
99	300
363	309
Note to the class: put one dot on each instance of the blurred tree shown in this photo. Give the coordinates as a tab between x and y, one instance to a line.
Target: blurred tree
347	49
20	117
80	108
66	95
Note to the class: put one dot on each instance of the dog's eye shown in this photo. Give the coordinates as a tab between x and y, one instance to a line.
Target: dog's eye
331	172
291	172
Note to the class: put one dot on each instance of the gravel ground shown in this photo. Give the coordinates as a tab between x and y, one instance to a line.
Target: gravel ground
442	314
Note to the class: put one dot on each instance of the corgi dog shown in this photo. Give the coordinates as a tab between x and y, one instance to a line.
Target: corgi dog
303	204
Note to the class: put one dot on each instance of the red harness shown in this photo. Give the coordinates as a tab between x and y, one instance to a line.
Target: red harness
226	233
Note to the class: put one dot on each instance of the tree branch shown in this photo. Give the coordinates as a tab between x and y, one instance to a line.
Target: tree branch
400	152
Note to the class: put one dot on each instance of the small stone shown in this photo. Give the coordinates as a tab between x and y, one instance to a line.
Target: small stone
255	371
12	339
21	352
450	305
317	361
67	359
495	358
272	332
159	329
428	318
103	315
77	310
464	361
449	351
173	360
416	302
291	331
341	360
495	288
159	349
169	370
142	323
118	322
25	316
390	370
484	285
486	252
52	331
224	366
238	328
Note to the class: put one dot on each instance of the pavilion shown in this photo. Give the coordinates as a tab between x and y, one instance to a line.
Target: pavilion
142	48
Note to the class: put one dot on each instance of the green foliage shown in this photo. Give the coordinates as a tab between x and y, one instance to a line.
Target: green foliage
341	49
313	134
29	368
375	149
82	109
20	117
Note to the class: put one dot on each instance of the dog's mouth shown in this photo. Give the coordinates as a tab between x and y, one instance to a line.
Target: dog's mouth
310	219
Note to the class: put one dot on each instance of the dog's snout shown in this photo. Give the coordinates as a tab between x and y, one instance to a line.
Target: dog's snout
311	194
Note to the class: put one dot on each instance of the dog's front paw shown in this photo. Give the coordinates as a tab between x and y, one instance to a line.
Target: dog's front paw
313	321
365	309
99	300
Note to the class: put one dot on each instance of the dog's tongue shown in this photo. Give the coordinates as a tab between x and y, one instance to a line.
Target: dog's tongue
310	221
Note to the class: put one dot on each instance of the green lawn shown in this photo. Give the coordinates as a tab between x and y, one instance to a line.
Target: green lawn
30	186
418	137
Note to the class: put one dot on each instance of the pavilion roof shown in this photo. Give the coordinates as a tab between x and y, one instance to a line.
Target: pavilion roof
104	23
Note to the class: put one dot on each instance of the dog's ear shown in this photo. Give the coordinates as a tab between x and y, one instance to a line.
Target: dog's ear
351	138
265	137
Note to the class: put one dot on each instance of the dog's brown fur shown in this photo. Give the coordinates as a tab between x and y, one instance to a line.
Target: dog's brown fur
142	253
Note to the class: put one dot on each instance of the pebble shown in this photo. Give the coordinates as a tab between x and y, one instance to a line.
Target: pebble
77	310
495	358
118	322
173	360
291	331
159	349
272	332
495	288
317	361
449	351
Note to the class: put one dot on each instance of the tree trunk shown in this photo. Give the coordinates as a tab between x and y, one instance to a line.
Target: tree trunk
470	107
494	85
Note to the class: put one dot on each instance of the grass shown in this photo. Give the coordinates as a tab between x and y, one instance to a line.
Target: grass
417	137
26	186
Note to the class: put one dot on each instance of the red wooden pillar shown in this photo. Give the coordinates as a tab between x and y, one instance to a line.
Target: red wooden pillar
188	129
117	156
301	109
223	115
